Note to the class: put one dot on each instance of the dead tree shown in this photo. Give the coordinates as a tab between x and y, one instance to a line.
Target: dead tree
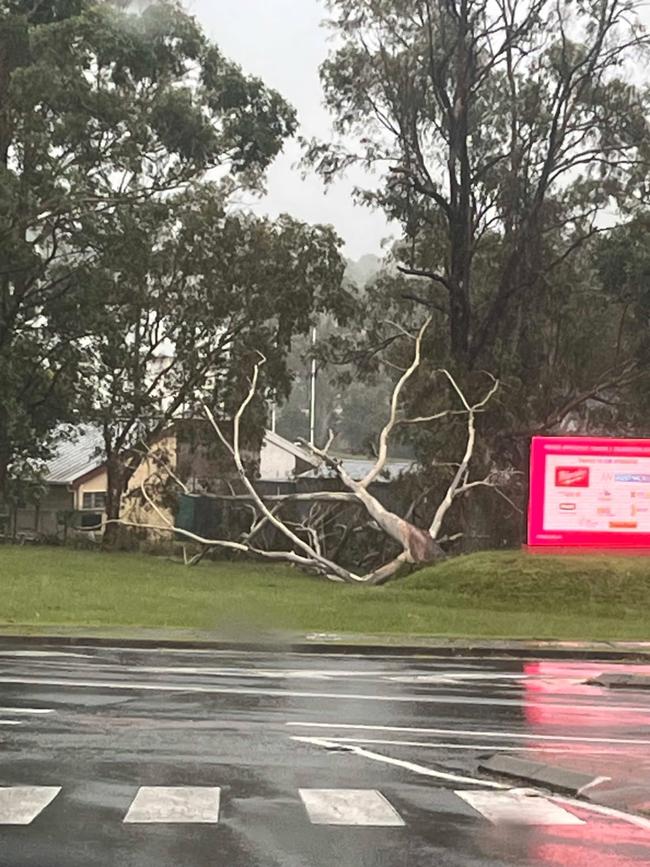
418	546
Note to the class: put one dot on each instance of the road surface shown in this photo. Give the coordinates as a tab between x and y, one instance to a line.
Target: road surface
145	758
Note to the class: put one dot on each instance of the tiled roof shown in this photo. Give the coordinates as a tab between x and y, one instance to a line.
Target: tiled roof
75	457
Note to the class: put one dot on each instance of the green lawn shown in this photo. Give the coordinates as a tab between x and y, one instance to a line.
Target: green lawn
504	594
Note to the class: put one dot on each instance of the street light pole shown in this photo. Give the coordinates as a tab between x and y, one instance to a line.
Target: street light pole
312	400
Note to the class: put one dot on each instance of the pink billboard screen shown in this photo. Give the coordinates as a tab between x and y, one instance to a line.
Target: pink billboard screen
589	491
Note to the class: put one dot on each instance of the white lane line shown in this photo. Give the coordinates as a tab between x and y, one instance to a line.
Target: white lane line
399	763
11	722
456	676
427	745
45	653
175	804
610	812
274	674
448	678
26	710
468	733
340	696
349	807
20	805
518	807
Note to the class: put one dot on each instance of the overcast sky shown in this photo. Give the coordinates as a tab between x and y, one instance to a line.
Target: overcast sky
282	42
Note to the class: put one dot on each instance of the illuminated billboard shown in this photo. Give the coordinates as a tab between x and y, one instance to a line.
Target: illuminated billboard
589	492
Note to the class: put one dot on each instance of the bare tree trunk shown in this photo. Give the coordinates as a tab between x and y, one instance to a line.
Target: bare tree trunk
114	491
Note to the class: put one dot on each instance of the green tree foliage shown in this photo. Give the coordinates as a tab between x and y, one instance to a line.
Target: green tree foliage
500	131
101	110
185	295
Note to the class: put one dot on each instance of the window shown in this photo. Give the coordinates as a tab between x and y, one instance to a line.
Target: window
90	521
94	500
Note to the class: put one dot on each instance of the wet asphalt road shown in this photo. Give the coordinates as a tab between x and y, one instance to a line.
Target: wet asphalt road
101	723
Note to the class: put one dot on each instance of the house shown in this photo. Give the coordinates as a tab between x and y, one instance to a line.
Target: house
69	485
75	481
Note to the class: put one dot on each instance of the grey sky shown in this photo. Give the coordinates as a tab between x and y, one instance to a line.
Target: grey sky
282	42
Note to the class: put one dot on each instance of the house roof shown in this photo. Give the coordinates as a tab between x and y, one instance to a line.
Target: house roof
286	445
82	454
75	457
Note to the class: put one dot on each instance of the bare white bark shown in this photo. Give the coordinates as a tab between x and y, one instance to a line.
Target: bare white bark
382	453
459	483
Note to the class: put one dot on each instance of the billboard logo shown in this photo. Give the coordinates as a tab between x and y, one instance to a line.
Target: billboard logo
572	477
638	478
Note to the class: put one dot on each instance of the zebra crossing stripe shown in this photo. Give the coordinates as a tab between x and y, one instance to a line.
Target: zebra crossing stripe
175	804
518	807
20	805
349	807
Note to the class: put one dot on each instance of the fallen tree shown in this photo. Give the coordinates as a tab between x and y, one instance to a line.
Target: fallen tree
417	546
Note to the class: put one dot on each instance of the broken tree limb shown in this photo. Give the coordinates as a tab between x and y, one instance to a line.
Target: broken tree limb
416	546
394	405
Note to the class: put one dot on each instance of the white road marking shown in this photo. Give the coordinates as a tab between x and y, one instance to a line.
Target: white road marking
456	676
11	722
340	696
271	673
518	807
595	782
26	710
468	733
175	804
45	653
20	805
429	772
610	812
399	763
349	807
442	746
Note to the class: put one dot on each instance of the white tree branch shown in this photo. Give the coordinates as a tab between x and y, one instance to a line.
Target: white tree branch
460	477
382	453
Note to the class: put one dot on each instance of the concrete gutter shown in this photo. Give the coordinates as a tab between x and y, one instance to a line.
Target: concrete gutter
601	790
540	774
621	681
313	643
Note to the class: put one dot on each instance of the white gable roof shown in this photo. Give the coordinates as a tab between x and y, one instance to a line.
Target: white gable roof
286	445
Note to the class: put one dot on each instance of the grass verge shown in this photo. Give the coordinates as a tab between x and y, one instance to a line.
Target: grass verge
487	595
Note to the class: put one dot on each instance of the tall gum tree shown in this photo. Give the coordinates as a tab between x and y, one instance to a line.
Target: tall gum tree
502	132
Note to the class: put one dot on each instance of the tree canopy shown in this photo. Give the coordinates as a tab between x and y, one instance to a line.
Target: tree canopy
101	112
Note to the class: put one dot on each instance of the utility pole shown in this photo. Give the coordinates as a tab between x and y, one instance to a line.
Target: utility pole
312	399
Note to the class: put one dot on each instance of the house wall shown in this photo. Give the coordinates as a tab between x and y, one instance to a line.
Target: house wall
96	484
162	489
276	463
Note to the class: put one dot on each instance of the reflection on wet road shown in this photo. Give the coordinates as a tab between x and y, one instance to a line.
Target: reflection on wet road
171	758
